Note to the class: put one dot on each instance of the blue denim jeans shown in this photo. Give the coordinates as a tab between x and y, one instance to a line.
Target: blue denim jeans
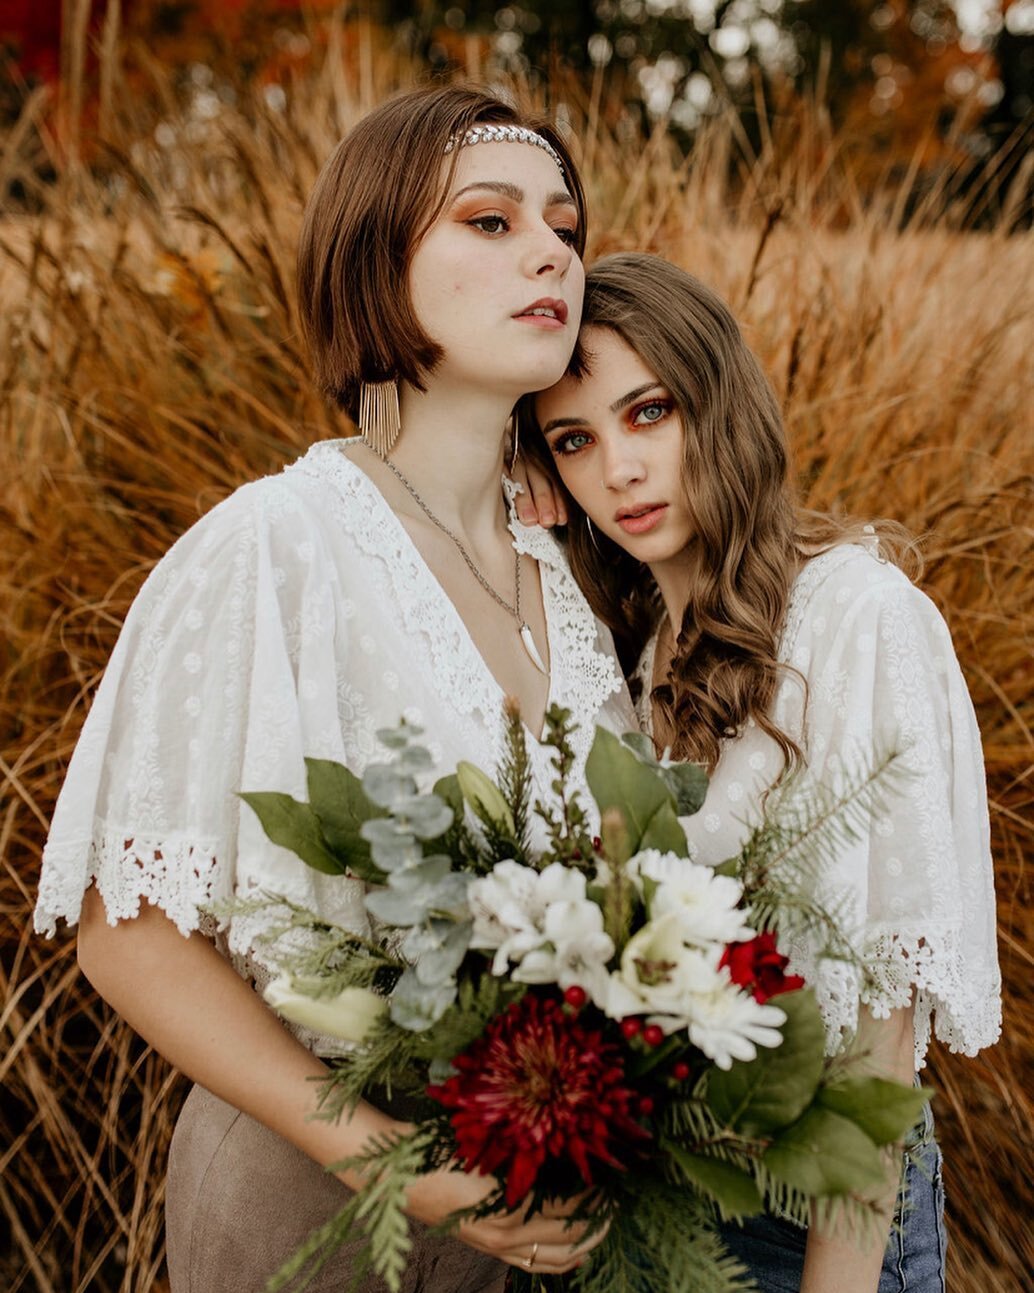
772	1248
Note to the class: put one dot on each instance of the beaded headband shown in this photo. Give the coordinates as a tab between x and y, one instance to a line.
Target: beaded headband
504	134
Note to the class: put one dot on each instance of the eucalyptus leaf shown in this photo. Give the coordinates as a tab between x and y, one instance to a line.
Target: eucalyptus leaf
425	874
620	779
663	832
397	738
385	786
761	1095
733	1189
884	1110
823	1154
412	760
439	964
295	826
427	816
415	1006
401	908
450	897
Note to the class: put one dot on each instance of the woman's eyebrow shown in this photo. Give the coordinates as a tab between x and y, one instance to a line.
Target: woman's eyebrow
632	396
559	199
555	423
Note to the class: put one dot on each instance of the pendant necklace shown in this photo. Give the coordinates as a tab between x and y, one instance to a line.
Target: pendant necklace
522	628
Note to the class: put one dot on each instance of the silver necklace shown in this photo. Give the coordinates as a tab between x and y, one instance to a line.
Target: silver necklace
525	632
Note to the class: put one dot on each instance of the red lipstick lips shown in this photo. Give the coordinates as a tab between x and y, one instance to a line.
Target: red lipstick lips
545	313
641	518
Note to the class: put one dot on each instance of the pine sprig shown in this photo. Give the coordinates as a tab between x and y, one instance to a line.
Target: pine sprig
515	779
784	861
390	1164
567	827
386	1058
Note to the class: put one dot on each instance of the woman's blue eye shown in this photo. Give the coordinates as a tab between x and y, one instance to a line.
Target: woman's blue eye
647	414
571	442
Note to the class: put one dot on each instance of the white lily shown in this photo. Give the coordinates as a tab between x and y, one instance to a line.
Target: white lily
348	1016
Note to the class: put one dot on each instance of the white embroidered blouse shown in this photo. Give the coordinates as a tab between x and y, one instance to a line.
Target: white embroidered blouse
882	675
294	620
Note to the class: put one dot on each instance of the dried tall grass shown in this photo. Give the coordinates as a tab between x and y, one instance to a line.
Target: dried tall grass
150	361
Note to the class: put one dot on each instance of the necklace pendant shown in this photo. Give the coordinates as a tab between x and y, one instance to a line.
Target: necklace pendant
532	649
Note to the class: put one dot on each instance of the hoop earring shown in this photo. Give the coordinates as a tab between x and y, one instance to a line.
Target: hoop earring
379	417
516	442
592	535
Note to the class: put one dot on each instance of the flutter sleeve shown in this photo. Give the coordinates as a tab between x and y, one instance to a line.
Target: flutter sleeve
883	676
224	677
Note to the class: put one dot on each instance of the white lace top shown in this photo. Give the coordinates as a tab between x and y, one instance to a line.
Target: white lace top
882	675
294	620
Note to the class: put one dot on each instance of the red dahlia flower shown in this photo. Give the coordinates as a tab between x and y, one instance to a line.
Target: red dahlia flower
759	966
539	1084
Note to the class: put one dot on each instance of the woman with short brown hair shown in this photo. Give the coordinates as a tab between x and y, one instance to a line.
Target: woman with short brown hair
375	579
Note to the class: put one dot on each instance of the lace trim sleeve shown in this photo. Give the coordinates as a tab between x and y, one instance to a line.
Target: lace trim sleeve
883	675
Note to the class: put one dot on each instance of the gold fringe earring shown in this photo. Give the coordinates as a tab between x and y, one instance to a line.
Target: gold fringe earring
379	418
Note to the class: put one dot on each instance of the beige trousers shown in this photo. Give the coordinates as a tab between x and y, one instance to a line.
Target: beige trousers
240	1199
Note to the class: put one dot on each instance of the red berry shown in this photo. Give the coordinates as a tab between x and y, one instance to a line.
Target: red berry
680	1071
653	1034
576	997
629	1027
597	843
646	1106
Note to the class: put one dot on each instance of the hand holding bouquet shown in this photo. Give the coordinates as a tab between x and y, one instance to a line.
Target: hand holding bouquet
599	1022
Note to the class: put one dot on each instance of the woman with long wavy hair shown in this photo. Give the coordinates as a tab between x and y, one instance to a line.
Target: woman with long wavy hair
765	640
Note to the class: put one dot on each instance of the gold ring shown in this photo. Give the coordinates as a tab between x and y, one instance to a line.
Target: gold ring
530	1261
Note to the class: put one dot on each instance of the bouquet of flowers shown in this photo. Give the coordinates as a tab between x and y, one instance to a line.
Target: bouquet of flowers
599	1018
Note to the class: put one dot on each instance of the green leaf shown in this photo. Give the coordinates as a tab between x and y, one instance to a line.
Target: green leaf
338	799
884	1110
823	1154
663	832
448	788
294	825
761	1095
688	782
620	779
734	1190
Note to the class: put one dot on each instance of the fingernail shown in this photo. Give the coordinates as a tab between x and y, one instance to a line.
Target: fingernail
547	518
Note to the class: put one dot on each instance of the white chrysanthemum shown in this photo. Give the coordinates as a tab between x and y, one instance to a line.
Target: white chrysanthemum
576	951
728	1024
509	907
706	904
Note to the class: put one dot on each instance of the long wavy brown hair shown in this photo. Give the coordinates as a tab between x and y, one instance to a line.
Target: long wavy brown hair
751	536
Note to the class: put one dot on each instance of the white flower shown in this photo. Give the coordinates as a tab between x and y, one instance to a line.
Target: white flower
576	951
509	907
728	1024
349	1016
706	903
657	976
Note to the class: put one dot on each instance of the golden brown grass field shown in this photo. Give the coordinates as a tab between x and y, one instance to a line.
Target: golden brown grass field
150	362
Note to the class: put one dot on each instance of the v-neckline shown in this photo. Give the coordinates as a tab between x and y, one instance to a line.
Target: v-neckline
341	446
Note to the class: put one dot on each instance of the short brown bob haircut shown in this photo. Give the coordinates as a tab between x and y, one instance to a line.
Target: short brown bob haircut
374	199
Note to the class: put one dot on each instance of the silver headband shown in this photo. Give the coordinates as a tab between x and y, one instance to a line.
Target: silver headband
505	135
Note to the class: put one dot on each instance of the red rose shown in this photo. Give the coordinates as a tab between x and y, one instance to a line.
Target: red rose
759	966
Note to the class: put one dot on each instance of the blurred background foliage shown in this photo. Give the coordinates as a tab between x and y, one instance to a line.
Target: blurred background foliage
907	83
854	179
